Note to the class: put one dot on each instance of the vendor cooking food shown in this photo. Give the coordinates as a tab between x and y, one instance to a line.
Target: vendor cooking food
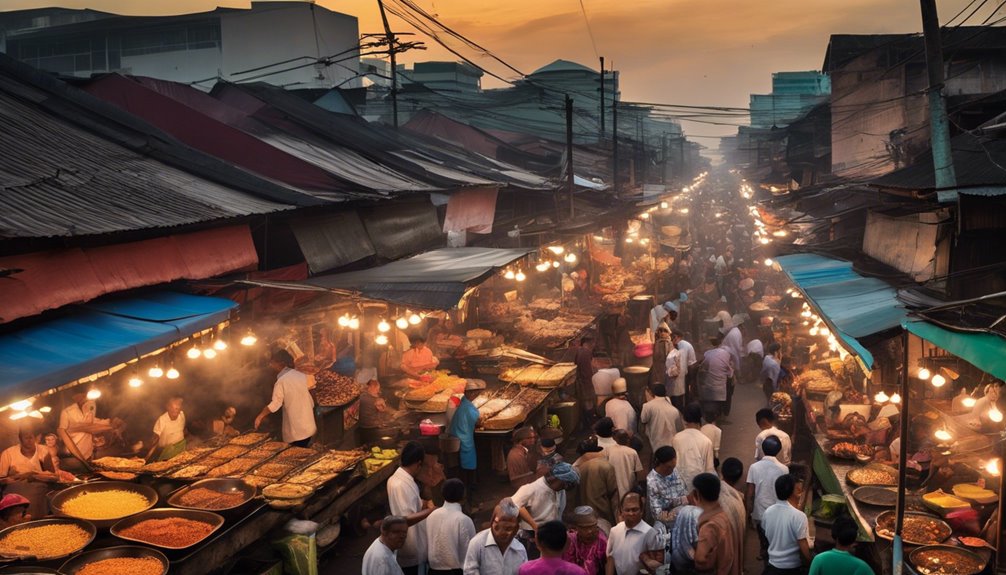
418	358
291	393
78	425
26	469
169	431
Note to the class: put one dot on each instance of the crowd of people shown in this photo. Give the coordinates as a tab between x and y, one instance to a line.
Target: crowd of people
646	491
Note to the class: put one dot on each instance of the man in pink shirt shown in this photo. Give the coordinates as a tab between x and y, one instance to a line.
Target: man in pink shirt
587	543
551	541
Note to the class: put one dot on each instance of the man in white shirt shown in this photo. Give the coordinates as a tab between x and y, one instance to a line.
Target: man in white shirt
688	369
291	393
630	539
733	340
625	460
660	419
404	501
544	499
695	451
602	380
619	409
77	426
380	556
761	485
449	531
765	418
770	370
753	359
496	551
786	529
169	431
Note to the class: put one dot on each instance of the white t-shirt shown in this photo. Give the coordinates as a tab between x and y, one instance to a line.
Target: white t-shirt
688	351
678	385
755	346
661	420
404	500
13	462
77	422
448	531
622	414
715	434
762	474
542	502
625	545
169	432
380	560
626	462
603	379
695	454
290	392
785	454
784	527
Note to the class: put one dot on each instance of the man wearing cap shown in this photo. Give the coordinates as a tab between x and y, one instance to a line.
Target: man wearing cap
466	417
13	510
518	460
618	408
587	543
542	500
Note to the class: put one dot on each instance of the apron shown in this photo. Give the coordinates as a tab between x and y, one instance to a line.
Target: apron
171	450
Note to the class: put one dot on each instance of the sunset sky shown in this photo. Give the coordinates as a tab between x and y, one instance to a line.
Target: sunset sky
696	52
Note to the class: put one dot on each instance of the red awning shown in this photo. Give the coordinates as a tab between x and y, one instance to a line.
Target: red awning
471	210
50	280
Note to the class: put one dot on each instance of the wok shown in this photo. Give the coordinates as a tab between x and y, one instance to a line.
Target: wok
82	523
98	486
128	551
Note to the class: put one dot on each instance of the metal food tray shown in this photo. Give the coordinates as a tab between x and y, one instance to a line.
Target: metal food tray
82	523
207	517
218	484
945	527
982	561
75	564
99	486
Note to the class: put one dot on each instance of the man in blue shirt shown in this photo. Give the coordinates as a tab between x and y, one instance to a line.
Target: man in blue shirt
463	427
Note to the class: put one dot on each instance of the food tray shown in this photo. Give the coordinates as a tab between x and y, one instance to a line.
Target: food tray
100	486
871	475
848	450
224	486
946	560
876	495
82	523
129	551
184	458
132	465
335	390
212	519
249	439
936	530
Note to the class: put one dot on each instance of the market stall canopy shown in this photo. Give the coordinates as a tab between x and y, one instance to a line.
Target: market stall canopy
855	306
983	350
101	336
436	279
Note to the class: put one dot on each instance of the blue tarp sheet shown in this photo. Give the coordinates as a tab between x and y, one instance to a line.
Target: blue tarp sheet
100	336
854	306
985	351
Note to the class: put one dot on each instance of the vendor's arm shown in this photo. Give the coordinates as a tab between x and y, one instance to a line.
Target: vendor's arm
525	516
70	445
272	407
428	507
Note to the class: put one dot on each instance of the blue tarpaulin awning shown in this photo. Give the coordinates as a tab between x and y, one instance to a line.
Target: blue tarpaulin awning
854	306
102	335
983	350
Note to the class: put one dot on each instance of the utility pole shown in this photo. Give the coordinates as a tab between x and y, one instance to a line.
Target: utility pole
663	158
614	144
569	152
394	66
939	126
601	139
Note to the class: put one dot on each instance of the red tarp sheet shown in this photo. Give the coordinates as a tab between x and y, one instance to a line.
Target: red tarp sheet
471	210
57	278
442	127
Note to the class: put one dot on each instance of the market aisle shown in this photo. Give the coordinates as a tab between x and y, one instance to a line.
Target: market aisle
738	441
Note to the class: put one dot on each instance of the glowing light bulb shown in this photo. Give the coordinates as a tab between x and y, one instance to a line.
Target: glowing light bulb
663	205
209	353
769	262
19	415
156	371
543	266
993	467
805	313
644	216
45	409
825	331
969	402
718	215
995	415
795	295
509	274
895	398
219	344
194	352
570	258
343	320
520	276
814	330
557	250
555	264
414	319
172	373
21	405
383	326
881	397
683	210
943	435
645	241
779	233
628	240
923	374
249	339
401	323
938	381
93	394
354	323
381	339
135	381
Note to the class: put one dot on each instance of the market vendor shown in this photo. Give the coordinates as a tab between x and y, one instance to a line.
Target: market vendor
291	393
77	427
22	471
466	417
375	415
169	432
223	425
440	337
418	358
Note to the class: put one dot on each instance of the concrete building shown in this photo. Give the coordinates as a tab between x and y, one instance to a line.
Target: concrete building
290	44
793	93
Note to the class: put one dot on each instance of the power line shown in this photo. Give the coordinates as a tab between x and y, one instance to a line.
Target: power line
583	10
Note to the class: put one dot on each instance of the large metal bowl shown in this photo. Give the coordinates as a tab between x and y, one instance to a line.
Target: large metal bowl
128	551
212	519
28	570
914	557
82	523
221	485
99	486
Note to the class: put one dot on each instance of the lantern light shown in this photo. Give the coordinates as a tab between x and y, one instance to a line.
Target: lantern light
923	374
663	205
684	210
414	319
557	250
383	326
209	353
570	258
995	415
194	352
401	323
644	216
993	467
895	398
249	339
93	394
814	330
219	344
156	371
172	373
354	322
381	339
18	415
555	264
520	276
881	397
969	402
943	435
135	381
343	320
769	262
509	275
938	381
45	409
628	240
825	331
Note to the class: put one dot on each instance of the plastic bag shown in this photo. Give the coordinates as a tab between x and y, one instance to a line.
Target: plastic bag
300	554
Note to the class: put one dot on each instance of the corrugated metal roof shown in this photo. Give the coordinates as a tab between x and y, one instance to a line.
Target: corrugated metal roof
979	164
